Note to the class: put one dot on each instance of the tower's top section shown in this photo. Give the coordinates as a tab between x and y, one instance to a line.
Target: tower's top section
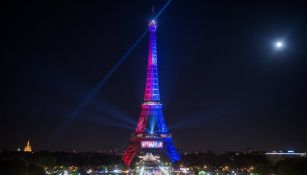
152	85
152	26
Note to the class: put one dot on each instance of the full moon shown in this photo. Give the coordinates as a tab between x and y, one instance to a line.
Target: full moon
279	44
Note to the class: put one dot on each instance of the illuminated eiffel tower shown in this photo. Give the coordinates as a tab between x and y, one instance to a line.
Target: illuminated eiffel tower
151	134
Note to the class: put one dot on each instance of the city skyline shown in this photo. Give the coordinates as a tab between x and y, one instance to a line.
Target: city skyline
223	84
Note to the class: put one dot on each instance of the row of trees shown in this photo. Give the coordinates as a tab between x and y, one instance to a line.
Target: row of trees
262	166
19	163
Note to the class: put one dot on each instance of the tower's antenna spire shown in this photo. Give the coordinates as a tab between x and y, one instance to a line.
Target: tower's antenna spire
153	11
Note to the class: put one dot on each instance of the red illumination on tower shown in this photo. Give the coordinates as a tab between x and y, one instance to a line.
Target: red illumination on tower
151	131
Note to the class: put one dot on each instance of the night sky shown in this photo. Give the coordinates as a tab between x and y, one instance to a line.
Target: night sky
223	84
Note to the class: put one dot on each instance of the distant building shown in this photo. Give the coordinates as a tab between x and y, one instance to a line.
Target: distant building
28	147
286	153
249	150
276	156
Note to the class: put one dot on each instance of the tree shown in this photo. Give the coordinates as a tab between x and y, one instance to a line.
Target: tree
35	170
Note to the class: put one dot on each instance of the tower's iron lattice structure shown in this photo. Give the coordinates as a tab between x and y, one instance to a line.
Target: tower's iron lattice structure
151	133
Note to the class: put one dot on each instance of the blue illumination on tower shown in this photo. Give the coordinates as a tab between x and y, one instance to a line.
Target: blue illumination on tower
151	129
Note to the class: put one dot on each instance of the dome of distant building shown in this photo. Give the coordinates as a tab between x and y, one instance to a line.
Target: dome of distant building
28	147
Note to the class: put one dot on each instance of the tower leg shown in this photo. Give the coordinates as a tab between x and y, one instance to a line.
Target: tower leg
171	151
130	152
142	121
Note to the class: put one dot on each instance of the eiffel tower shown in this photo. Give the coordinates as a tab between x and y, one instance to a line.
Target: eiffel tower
151	133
